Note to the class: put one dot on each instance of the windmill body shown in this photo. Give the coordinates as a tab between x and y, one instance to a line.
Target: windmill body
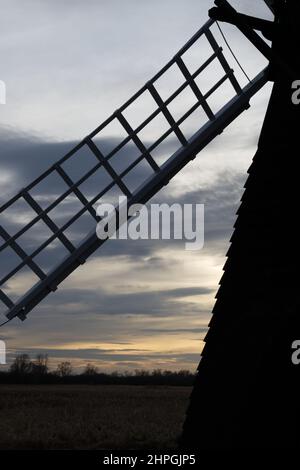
247	385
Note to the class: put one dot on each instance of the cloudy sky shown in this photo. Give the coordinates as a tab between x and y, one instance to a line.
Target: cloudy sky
67	66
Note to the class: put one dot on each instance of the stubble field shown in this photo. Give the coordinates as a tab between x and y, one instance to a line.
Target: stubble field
91	417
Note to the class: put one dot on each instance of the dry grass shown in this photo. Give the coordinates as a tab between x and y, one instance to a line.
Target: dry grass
93	417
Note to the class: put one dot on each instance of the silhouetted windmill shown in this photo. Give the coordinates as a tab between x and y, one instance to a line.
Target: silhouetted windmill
259	285
246	393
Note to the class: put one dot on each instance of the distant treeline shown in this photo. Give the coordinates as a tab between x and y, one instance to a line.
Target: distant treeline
26	371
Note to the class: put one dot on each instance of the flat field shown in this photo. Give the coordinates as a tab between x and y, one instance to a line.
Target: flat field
91	416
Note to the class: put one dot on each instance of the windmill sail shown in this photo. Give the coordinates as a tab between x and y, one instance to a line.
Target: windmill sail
116	170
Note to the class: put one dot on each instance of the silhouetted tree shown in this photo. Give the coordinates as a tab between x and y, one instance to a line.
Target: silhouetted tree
157	372
184	373
21	365
25	370
40	365
90	370
142	373
64	369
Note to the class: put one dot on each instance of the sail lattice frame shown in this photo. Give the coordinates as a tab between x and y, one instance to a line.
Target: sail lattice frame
118	181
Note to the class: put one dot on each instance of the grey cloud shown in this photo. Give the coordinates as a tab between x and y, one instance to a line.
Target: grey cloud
25	157
221	200
121	357
142	303
176	331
